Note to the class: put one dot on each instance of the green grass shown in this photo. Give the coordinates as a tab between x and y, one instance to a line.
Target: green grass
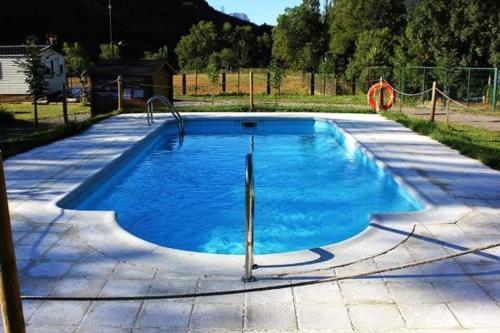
477	143
24	111
273	108
262	98
21	143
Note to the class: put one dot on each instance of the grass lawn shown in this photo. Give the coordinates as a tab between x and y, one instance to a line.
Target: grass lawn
272	108
24	111
20	143
282	99
477	143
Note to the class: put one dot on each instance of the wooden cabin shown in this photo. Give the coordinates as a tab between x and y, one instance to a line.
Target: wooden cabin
141	80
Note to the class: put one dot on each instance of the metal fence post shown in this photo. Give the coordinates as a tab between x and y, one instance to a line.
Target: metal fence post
10	298
65	103
403	83
423	87
468	88
495	90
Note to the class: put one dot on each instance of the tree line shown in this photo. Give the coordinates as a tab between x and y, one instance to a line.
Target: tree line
345	38
348	38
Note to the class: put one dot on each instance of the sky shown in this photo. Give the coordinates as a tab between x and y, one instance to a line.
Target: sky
259	11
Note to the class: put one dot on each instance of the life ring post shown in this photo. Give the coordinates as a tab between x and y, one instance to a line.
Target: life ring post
380	101
376	102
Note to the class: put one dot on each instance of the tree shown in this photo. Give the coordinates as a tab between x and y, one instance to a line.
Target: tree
326	70
374	50
33	69
213	71
227	58
110	52
161	54
263	51
235	45
76	59
243	43
77	64
194	50
351	18
468	26
297	39
495	51
277	74
447	70
312	4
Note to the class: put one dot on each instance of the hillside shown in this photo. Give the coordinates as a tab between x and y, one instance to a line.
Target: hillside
143	25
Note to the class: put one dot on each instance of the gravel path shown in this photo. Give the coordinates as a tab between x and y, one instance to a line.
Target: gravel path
482	121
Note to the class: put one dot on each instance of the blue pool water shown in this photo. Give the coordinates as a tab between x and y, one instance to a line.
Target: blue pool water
311	187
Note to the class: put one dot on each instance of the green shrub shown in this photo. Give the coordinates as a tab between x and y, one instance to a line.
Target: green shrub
5	115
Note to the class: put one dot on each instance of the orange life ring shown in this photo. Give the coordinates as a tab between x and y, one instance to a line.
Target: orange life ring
376	89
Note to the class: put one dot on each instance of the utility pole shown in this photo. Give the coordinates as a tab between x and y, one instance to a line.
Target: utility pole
111	31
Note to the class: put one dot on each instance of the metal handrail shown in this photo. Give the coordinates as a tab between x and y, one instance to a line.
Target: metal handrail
170	106
249	215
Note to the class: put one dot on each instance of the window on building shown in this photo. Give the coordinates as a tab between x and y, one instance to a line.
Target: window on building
52	67
61	69
1	73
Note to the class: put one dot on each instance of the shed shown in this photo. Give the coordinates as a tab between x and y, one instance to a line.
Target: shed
12	82
141	79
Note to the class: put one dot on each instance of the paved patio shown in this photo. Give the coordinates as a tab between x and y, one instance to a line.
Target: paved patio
63	252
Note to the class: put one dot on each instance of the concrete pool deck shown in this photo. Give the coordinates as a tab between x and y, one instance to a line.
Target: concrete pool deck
62	252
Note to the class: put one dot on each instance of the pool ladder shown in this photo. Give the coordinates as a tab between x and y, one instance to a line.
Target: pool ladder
170	106
249	216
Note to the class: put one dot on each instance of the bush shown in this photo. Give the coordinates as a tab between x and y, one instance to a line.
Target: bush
5	115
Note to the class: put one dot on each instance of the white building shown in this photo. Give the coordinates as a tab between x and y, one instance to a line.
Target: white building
12	82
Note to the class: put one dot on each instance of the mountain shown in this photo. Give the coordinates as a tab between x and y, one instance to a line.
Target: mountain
241	16
142	25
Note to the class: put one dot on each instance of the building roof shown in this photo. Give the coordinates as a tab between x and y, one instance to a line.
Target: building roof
130	67
19	50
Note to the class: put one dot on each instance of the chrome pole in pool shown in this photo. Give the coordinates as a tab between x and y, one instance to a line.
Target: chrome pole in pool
249	215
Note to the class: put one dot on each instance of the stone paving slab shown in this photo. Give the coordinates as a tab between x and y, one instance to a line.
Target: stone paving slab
63	252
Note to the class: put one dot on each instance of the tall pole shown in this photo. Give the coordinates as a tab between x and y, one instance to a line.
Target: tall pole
111	32
10	299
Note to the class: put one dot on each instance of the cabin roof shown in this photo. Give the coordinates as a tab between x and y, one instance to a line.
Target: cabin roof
130	67
19	50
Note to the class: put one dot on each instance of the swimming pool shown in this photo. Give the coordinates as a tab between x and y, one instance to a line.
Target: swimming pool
313	187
